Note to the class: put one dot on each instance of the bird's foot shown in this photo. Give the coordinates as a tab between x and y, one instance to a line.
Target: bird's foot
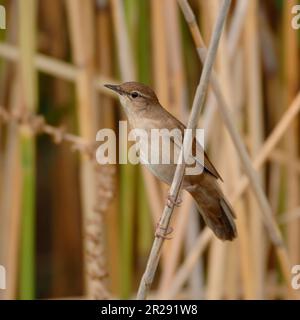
162	232
172	201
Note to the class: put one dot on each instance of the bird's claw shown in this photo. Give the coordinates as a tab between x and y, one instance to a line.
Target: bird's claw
162	232
171	201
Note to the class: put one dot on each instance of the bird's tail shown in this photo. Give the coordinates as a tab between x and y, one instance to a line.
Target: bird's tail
217	214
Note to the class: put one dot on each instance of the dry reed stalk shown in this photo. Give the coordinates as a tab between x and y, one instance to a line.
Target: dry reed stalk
195	283
10	207
7	69
232	169
191	260
289	216
280	157
169	81
55	67
245	253
175	247
243	249
152	264
246	259
256	135
270	67
206	18
65	206
80	17
273	97
28	89
215	277
128	183
236	27
160	73
270	143
142	44
10	171
271	226
187	266
291	86
178	105
231	173
274	183
38	125
232	50
160	54
220	281
217	255
105	61
234	36
125	56
145	232
176	74
234	33
232	273
107	120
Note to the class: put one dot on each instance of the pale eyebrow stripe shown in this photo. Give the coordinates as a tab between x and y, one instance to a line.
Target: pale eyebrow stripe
141	94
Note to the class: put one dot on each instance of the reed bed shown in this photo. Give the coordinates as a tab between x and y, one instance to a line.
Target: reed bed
70	227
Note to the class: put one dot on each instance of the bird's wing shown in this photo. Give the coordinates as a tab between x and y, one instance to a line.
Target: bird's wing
197	149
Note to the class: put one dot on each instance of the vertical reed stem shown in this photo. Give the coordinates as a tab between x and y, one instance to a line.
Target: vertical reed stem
27	31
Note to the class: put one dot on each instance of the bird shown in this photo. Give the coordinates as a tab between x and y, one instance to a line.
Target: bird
144	111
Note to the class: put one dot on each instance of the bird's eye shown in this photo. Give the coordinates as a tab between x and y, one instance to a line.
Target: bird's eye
134	94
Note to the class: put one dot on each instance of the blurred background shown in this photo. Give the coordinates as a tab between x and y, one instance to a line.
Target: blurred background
71	228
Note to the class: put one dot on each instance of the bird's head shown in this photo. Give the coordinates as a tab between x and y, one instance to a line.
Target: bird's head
135	96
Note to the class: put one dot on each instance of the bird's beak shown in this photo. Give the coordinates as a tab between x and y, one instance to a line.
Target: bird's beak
114	87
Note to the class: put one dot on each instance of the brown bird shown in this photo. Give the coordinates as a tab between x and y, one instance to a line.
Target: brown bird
144	111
